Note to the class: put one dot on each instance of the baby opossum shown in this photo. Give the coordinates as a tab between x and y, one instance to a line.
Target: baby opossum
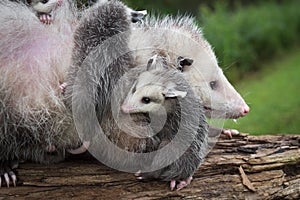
33	116
42	8
166	89
174	36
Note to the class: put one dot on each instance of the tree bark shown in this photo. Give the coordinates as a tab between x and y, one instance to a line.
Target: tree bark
244	167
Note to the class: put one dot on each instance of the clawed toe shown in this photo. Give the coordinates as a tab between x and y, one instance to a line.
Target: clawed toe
7	175
7	178
63	88
13	178
46	19
172	184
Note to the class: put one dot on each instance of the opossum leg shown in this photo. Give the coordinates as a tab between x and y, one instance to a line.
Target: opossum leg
46	18
83	148
6	172
182	183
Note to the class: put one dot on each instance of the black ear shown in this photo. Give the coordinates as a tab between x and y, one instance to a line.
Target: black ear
137	16
182	62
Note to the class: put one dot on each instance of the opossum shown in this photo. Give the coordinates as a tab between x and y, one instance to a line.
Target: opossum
180	36
101	59
33	116
42	8
165	89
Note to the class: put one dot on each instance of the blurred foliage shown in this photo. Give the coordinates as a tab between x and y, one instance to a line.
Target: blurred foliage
273	95
177	6
243	39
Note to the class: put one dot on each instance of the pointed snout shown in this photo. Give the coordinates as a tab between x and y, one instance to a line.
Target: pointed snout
245	110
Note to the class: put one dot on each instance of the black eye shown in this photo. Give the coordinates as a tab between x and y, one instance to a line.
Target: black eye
213	85
44	1
146	100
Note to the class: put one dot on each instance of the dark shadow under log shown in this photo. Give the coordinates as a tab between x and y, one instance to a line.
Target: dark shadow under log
244	167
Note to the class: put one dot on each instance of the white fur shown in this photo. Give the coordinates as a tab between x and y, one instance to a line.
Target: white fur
44	8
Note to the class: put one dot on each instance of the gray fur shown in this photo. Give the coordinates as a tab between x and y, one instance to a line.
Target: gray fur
91	56
94	77
193	132
39	7
101	37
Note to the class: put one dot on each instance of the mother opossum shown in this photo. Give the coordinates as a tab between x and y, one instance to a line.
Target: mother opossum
172	37
33	116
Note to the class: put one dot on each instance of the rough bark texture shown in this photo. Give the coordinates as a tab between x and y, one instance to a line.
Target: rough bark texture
244	167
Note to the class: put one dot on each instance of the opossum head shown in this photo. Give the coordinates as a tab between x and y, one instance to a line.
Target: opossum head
44	6
218	96
151	91
177	38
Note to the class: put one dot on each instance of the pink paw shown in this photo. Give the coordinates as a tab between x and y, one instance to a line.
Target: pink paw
83	148
63	88
50	148
230	132
181	184
59	2
46	18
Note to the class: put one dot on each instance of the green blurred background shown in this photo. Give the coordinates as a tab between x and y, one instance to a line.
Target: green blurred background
257	45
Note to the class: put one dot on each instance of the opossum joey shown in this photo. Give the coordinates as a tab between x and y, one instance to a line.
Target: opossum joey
44	8
159	90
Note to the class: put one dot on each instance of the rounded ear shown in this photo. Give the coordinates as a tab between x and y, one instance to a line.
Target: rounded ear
182	62
151	63
172	93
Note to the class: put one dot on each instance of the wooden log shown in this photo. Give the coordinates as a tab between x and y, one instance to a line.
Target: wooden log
244	167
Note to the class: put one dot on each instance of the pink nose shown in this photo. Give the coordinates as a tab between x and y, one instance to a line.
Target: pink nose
246	110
